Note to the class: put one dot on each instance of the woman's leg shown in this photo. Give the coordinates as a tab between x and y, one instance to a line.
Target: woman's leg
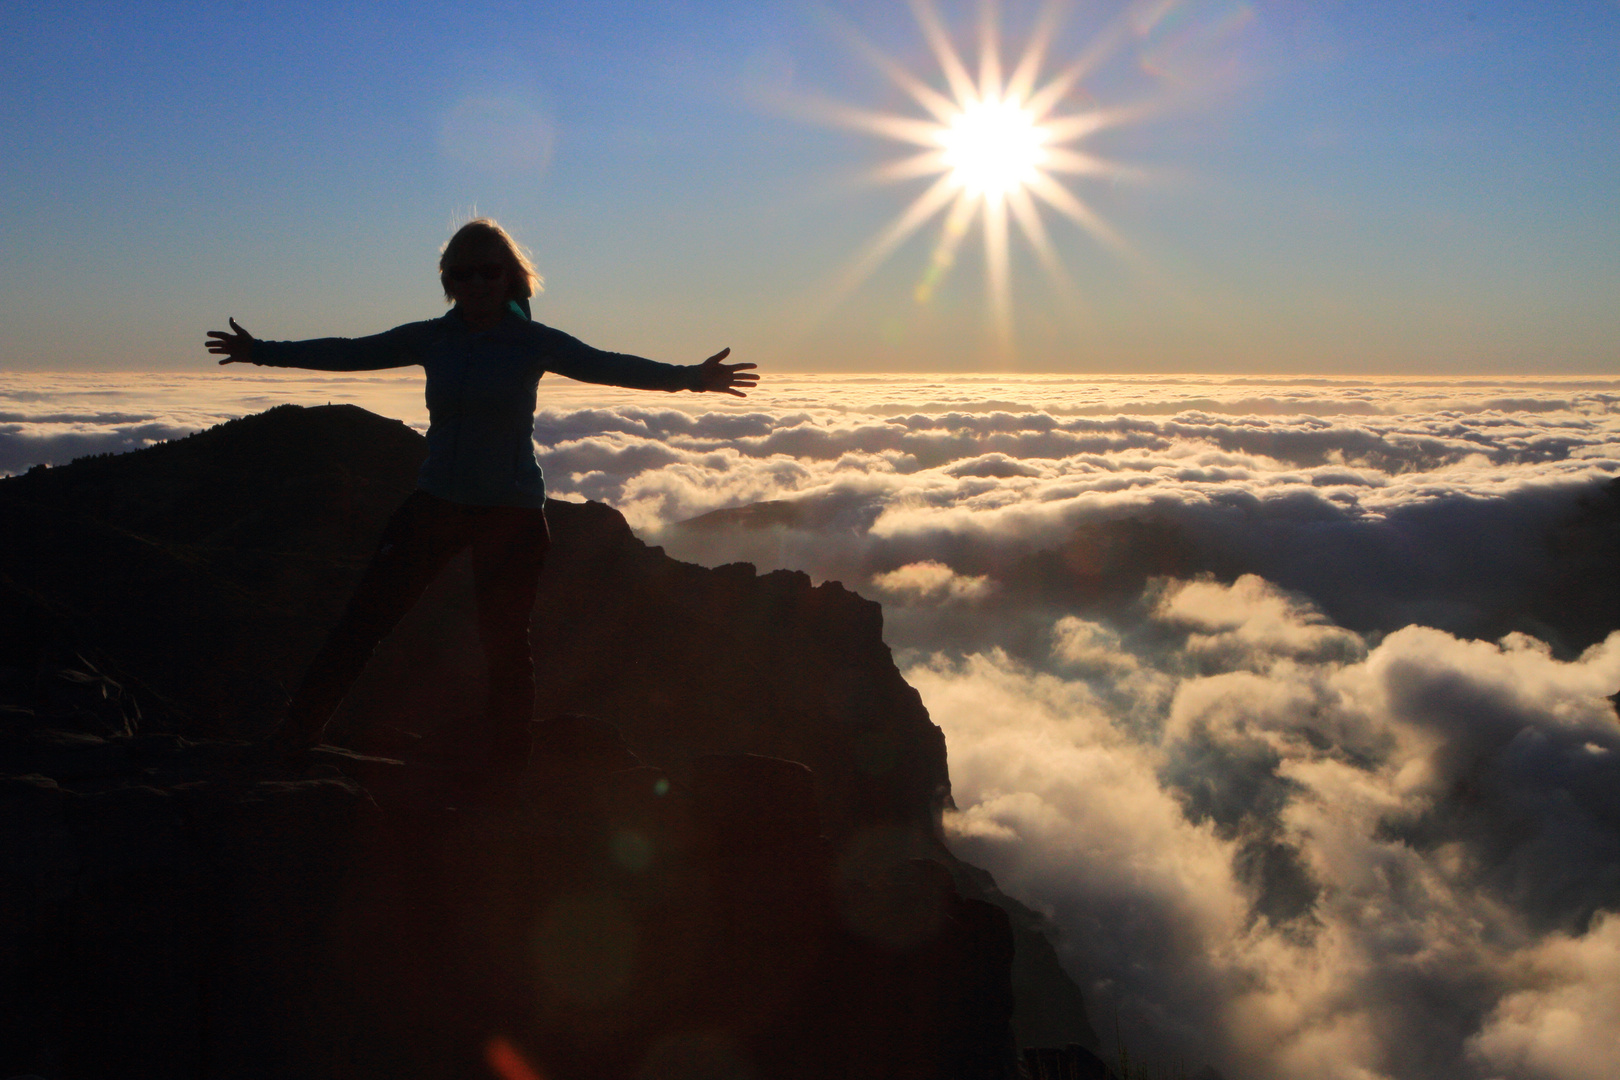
509	548
423	535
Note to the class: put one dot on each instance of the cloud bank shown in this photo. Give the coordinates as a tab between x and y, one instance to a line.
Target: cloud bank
1289	701
1392	861
51	419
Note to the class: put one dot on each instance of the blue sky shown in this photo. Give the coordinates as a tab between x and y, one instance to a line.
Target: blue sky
1359	187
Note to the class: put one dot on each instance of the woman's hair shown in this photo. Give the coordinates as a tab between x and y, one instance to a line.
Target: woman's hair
482	237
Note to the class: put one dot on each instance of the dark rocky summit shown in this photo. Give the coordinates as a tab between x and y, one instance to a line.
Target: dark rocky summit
724	860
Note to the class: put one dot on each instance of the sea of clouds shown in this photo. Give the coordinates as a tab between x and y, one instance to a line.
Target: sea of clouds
1252	685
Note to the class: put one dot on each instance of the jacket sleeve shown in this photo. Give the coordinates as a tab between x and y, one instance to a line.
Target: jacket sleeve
399	347
567	355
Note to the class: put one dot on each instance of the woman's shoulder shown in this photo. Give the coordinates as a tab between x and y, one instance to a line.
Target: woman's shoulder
540	335
429	330
434	325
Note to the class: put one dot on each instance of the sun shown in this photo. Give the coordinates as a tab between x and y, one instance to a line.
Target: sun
993	148
994	145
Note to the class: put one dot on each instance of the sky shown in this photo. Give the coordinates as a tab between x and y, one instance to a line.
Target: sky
1370	188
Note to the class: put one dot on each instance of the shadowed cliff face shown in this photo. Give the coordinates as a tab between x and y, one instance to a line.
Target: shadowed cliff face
207	571
686	660
167	913
156	606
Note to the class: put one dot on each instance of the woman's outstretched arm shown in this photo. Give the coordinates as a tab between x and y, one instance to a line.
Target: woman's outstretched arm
567	355
389	349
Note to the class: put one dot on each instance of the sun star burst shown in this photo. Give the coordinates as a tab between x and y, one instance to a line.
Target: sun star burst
993	145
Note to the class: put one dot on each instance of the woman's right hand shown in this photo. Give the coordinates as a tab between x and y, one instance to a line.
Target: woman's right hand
236	348
727	378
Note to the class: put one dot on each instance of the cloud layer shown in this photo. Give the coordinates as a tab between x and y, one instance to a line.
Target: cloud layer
1287	700
1392	861
51	419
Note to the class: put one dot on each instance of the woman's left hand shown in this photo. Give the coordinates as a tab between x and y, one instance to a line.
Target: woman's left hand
727	378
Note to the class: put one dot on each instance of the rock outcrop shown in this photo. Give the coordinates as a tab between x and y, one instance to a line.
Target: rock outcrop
737	870
168	913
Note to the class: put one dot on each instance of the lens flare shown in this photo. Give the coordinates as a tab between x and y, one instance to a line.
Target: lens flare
507	1063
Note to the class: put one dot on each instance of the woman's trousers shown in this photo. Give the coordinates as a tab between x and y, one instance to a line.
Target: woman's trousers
509	545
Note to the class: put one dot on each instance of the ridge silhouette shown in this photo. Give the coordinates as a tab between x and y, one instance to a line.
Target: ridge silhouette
334	907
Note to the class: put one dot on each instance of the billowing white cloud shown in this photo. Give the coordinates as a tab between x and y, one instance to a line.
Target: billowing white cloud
929	581
1244	881
1252	619
1563	1022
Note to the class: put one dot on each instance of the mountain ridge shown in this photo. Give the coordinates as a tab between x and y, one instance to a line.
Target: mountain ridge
239	542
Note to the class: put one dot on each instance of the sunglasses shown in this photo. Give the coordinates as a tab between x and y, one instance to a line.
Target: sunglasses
487	271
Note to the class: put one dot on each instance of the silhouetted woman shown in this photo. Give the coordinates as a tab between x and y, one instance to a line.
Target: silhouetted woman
480	486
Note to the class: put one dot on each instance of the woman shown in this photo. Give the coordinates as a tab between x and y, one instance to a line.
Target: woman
480	486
